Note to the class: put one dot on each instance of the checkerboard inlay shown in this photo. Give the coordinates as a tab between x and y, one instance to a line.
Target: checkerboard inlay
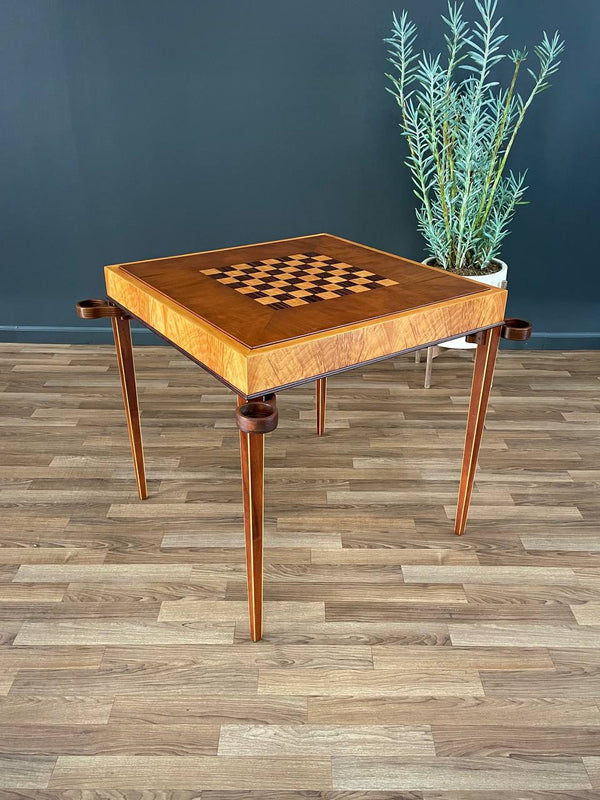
297	280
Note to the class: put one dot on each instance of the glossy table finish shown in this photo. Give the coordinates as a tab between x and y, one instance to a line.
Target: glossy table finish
265	317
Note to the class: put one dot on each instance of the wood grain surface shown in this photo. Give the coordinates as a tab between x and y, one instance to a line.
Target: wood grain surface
399	662
257	349
186	279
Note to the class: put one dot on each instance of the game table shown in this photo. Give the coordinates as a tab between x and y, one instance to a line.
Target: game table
265	317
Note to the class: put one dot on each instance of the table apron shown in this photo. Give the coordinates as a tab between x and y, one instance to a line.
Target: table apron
301	382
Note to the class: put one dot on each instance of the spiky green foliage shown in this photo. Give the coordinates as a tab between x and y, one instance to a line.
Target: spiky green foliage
460	126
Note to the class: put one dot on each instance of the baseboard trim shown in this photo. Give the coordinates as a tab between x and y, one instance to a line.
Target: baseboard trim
96	334
558	340
71	334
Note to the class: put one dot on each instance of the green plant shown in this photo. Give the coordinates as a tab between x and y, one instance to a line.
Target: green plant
460	132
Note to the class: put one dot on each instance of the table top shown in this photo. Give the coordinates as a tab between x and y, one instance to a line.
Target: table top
267	293
266	316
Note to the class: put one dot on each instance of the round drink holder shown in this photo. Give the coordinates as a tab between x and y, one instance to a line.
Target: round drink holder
96	308
258	416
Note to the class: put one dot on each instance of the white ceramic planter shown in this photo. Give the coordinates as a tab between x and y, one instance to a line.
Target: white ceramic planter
495	279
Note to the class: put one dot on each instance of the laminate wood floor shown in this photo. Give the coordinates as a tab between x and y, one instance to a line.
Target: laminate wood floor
399	662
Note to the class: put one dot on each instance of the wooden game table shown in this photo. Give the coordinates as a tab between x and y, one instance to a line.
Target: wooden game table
265	317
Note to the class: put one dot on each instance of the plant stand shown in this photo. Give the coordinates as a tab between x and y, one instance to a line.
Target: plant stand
435	350
430	354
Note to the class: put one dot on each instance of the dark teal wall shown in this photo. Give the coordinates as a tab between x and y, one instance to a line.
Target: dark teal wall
141	128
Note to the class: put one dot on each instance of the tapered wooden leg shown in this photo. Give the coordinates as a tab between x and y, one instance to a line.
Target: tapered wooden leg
260	416
321	393
483	373
252	447
122	332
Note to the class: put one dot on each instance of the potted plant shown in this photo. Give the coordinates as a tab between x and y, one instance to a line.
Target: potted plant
460	125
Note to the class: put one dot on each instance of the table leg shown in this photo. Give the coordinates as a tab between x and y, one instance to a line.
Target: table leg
252	448
483	373
321	392
254	418
122	332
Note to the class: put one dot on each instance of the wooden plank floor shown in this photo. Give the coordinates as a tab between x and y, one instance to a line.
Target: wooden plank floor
400	662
